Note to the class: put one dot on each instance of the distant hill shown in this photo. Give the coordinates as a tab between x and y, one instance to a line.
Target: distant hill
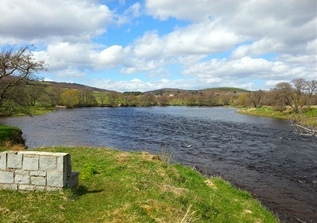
165	90
74	86
156	92
227	89
218	89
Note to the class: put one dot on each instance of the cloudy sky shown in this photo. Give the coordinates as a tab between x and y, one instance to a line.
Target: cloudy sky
129	45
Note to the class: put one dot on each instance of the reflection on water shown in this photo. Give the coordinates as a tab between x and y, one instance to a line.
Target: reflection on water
261	155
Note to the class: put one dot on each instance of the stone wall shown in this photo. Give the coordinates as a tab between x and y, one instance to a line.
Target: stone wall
31	170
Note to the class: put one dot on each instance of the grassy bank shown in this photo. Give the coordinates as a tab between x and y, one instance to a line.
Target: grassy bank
307	117
118	186
31	110
10	136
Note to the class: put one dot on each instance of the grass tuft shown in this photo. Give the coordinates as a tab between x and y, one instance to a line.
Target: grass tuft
189	216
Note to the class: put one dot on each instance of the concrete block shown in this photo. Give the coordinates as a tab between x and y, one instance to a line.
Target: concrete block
38	173
73	180
26	187
64	164
48	163
22	179
38	181
14	160
9	186
30	163
22	172
55	179
60	163
53	188
40	188
38	153
3	161
6	177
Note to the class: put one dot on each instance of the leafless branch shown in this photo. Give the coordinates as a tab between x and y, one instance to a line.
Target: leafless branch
17	66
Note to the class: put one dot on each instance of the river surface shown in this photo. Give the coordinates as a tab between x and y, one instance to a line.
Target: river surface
258	154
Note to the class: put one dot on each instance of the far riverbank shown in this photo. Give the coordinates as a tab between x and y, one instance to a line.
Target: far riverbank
307	117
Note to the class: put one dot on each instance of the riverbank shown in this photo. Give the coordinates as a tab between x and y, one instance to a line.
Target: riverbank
307	117
119	186
31	110
11	137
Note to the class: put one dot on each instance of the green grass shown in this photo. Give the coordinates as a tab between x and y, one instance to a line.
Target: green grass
8	133
307	117
40	110
31	110
119	186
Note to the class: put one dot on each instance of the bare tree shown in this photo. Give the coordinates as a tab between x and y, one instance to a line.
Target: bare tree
257	98
304	92
17	66
296	94
147	99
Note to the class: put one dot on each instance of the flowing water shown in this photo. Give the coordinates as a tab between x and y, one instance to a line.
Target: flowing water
258	154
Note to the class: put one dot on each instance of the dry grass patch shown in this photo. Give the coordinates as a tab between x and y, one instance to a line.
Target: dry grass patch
178	191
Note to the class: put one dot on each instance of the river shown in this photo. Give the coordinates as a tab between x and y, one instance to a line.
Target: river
261	155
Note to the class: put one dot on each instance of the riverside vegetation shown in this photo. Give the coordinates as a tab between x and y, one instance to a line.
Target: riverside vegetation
308	116
304	123
119	186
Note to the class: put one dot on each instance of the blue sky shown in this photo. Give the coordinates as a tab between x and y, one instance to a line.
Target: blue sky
129	45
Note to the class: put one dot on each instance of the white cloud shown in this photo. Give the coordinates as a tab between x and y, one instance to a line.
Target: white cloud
112	55
262	46
196	10
311	46
271	83
299	59
122	86
150	67
62	55
245	68
288	21
150	46
33	20
70	72
201	38
134	10
152	52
